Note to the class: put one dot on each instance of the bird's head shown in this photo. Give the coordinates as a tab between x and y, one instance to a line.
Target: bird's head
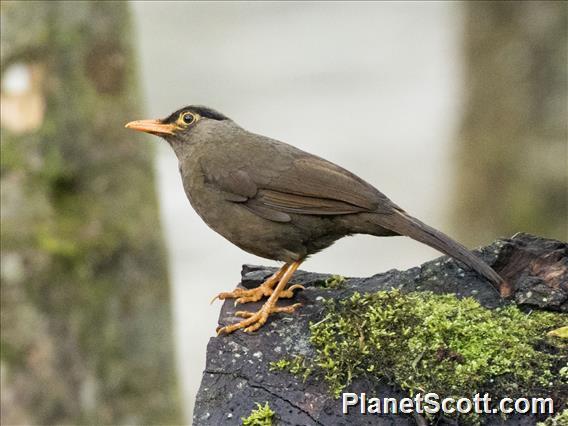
185	126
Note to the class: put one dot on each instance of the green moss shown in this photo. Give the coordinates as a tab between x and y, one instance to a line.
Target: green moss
423	342
297	365
561	419
434	343
261	416
561	333
335	281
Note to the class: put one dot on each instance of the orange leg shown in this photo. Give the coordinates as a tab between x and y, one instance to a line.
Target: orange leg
265	289
255	320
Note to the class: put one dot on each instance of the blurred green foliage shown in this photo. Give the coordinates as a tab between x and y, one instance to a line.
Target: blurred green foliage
86	322
512	158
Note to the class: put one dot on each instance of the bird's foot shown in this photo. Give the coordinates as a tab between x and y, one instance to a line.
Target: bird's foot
255	294
255	320
264	290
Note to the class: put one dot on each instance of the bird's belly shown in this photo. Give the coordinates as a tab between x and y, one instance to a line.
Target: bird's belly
246	230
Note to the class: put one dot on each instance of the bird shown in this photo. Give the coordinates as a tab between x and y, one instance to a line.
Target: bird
279	202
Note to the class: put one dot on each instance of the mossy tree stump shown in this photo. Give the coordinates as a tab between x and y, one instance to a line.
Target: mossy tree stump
432	328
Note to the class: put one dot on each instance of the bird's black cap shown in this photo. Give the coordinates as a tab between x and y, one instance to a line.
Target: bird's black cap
203	111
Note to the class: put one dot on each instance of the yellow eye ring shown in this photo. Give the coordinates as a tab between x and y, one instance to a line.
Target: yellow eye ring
187	118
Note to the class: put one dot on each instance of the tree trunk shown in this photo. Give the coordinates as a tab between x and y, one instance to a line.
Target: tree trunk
512	158
86	327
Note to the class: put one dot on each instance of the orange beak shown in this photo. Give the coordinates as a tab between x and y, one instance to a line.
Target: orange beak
155	127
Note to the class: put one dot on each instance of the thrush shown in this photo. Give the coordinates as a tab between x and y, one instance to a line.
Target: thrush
276	201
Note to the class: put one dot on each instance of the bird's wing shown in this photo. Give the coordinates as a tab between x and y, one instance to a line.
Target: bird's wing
297	183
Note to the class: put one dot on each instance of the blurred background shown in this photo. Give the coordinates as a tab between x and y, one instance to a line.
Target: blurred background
457	111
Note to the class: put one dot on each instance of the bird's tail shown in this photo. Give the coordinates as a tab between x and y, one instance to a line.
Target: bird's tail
409	226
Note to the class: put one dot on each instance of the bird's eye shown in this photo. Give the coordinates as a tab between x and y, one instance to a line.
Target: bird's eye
188	118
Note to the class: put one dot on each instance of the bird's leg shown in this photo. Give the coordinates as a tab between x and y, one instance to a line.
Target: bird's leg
255	320
265	289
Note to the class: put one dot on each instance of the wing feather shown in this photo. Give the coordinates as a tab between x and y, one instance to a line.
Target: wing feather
291	181
301	204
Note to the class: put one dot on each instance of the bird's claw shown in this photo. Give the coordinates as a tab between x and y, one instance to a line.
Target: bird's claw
254	320
229	294
242	296
276	309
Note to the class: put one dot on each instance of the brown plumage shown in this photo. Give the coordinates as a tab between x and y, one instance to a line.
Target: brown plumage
279	202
